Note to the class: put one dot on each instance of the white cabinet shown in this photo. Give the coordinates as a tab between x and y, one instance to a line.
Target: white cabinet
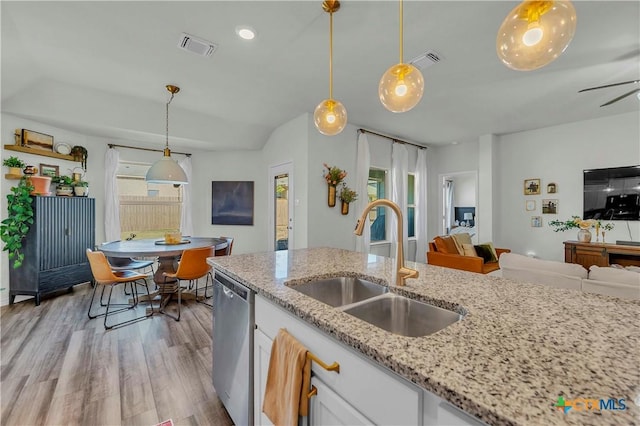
329	408
261	355
382	397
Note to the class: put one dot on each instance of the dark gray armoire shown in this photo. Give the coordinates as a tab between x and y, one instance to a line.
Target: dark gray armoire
54	249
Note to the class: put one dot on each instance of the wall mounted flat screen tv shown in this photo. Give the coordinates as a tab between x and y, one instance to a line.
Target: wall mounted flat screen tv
612	194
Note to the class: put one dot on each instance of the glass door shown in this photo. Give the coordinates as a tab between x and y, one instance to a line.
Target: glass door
281	207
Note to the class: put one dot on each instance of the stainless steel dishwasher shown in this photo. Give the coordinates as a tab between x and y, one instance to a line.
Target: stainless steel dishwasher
233	326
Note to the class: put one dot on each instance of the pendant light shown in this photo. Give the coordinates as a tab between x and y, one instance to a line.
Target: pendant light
330	116
535	33
167	170
402	86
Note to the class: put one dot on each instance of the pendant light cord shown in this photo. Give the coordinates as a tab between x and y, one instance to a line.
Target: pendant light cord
401	35
331	55
167	129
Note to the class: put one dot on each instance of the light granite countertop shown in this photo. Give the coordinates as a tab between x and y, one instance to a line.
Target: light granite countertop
519	347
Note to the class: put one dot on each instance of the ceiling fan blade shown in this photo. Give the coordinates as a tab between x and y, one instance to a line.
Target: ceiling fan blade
609	85
621	97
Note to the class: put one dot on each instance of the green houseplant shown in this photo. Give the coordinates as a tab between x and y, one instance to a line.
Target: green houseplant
64	185
14	228
81	188
347	195
14	164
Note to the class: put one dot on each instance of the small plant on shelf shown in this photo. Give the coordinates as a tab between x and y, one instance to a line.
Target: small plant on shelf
62	180
15	227
13	162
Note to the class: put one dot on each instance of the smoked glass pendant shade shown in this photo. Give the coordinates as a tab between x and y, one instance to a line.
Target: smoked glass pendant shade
535	33
401	87
330	117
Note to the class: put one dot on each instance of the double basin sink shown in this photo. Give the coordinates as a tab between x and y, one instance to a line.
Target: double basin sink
374	304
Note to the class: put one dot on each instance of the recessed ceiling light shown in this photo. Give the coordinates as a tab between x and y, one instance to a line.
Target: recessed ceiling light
246	33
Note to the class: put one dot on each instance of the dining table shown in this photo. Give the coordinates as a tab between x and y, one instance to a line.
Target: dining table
168	256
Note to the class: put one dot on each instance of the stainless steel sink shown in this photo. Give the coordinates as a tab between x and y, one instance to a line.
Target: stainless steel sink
404	316
340	291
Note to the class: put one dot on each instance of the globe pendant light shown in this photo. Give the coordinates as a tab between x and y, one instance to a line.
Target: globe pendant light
402	86
330	116
167	170
535	33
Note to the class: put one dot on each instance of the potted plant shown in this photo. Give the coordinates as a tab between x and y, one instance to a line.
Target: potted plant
14	164
64	185
347	195
81	188
19	219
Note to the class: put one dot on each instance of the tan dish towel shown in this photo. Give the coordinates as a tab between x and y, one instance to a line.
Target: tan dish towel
288	380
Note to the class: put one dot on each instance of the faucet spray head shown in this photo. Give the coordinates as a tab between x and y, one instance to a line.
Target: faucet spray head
359	229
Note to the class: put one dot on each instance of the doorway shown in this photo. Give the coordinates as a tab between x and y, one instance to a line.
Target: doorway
281	206
459	201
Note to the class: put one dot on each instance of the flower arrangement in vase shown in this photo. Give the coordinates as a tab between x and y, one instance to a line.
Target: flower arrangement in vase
584	235
333	176
347	195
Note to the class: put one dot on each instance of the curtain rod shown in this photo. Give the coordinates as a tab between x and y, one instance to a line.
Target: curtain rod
392	138
112	145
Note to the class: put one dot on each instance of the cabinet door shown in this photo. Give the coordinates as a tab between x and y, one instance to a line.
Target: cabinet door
588	256
329	408
261	355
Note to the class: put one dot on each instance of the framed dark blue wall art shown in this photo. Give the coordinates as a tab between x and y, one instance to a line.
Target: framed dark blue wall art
232	202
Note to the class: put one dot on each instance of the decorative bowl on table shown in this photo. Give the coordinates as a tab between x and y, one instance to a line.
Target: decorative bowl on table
173	237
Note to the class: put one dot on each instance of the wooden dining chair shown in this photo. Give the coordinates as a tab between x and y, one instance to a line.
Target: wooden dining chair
104	275
192	267
227	250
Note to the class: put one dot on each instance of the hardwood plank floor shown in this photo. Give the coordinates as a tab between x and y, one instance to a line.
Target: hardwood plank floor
58	367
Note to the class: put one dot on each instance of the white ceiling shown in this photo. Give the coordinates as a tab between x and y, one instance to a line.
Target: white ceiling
100	68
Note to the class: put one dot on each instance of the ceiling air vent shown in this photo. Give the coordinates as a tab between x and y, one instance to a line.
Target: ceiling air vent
196	45
425	60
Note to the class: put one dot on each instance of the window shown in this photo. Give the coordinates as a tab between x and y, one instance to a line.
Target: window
147	210
375	191
411	205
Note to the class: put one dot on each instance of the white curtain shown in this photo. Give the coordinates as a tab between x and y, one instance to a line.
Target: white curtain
399	176
186	217
421	206
448	205
111	201
363	162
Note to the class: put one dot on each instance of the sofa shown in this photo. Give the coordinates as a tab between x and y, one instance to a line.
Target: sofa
609	281
449	252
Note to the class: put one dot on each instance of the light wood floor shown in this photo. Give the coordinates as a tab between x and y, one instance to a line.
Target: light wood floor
58	367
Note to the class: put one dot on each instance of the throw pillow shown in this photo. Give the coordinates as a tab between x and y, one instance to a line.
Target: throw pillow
460	240
493	250
445	245
469	250
485	252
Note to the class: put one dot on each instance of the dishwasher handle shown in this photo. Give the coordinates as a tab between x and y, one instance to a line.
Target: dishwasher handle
227	292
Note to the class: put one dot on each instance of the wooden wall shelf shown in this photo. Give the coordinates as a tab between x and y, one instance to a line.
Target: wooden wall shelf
36	151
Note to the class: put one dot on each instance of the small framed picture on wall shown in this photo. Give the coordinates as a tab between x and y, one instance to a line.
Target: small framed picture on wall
531	186
552	188
536	221
549	206
530	205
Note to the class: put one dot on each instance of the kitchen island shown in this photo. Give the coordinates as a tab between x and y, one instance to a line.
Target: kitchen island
517	350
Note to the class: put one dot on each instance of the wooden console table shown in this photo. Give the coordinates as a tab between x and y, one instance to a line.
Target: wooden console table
587	254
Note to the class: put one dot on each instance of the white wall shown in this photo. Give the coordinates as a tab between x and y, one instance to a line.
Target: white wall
289	143
559	154
232	166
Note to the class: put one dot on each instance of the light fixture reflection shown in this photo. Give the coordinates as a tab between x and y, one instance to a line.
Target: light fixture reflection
330	116
402	86
535	33
166	170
